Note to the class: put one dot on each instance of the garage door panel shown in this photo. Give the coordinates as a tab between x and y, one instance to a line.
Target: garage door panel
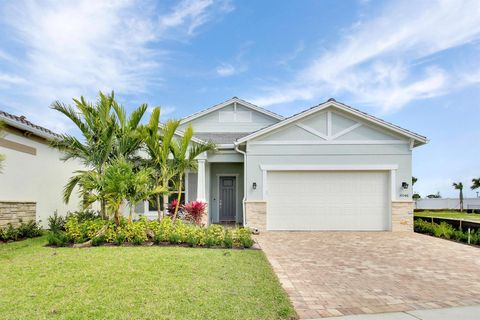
327	200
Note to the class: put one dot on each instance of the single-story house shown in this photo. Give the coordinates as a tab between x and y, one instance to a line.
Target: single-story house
33	176
331	167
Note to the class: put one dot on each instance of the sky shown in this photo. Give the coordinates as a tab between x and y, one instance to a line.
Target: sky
413	63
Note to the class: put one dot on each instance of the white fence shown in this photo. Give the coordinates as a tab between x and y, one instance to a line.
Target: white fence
447	203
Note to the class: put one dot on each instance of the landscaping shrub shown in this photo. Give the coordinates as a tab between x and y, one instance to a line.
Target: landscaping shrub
228	239
58	239
25	230
84	215
243	238
443	230
422	226
29	230
138	232
56	223
194	211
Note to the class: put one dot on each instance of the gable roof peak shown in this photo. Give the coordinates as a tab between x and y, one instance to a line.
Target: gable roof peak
226	103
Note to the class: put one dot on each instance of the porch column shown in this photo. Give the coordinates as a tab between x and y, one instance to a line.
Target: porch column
201	195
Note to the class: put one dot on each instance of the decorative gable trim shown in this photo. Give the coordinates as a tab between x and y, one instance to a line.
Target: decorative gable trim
349	110
234	100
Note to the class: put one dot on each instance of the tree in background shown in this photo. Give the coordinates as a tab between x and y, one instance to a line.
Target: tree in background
475	183
434	196
184	153
414	180
459	186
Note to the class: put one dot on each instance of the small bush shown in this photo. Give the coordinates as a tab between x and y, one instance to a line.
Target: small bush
215	235
10	233
194	211
56	223
84	215
58	239
422	226
243	238
120	238
98	241
29	230
443	230
228	239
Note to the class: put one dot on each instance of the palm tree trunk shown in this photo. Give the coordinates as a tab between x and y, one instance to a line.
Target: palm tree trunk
130	214
179	198
461	200
103	210
159	210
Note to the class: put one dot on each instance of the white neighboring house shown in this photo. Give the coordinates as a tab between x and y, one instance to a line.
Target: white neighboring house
33	177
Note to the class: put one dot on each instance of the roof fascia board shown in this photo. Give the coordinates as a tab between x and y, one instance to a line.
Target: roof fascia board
324	106
226	103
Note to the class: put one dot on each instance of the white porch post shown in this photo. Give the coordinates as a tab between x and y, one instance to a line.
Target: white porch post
201	194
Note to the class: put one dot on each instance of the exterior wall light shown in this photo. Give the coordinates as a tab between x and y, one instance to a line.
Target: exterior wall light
404	185
254	185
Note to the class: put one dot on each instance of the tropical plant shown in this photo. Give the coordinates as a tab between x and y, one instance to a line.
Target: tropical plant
106	133
194	211
158	139
184	153
475	183
459	186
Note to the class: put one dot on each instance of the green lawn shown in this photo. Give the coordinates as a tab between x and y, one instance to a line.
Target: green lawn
449	214
38	282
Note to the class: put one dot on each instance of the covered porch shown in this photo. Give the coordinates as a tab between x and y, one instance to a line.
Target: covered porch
219	181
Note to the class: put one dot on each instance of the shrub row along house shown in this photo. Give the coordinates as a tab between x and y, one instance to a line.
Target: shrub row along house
331	167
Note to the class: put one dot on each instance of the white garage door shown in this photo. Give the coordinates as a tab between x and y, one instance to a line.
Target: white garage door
327	200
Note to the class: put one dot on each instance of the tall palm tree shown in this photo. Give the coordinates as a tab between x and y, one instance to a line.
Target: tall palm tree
459	186
106	134
475	183
158	140
184	156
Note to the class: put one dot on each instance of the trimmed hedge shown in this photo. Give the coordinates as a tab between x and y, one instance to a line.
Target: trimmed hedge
139	232
446	231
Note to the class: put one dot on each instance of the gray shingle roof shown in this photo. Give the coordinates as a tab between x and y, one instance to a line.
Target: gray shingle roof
221	137
22	120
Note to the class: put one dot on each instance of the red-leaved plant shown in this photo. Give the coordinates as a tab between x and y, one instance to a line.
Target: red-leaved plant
171	206
194	211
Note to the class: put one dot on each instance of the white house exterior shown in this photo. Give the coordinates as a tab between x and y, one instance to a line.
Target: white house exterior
33	177
331	167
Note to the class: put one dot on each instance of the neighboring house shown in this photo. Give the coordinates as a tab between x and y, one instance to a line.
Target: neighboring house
33	177
331	167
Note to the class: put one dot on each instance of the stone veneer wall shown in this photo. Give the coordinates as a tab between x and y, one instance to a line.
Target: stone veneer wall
256	215
13	212
402	215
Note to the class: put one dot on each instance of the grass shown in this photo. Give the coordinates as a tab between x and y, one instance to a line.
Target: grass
39	282
449	214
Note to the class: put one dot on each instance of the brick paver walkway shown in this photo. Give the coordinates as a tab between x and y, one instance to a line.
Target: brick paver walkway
340	273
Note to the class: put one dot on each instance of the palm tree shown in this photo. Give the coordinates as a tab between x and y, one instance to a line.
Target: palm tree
414	180
158	140
459	186
475	183
184	156
106	135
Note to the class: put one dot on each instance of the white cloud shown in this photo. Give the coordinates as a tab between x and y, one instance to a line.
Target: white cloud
382	61
225	70
72	48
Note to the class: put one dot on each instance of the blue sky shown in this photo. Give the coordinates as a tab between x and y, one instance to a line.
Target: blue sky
414	63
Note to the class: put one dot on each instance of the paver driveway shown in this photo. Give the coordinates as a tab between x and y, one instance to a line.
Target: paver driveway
338	273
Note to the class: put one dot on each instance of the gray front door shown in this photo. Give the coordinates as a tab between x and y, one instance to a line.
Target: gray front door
227	200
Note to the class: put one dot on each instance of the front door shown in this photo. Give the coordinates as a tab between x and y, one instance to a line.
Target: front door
227	200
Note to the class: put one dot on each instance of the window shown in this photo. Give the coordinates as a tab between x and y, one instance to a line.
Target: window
152	202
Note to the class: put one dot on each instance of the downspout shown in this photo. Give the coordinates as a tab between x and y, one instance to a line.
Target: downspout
244	181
